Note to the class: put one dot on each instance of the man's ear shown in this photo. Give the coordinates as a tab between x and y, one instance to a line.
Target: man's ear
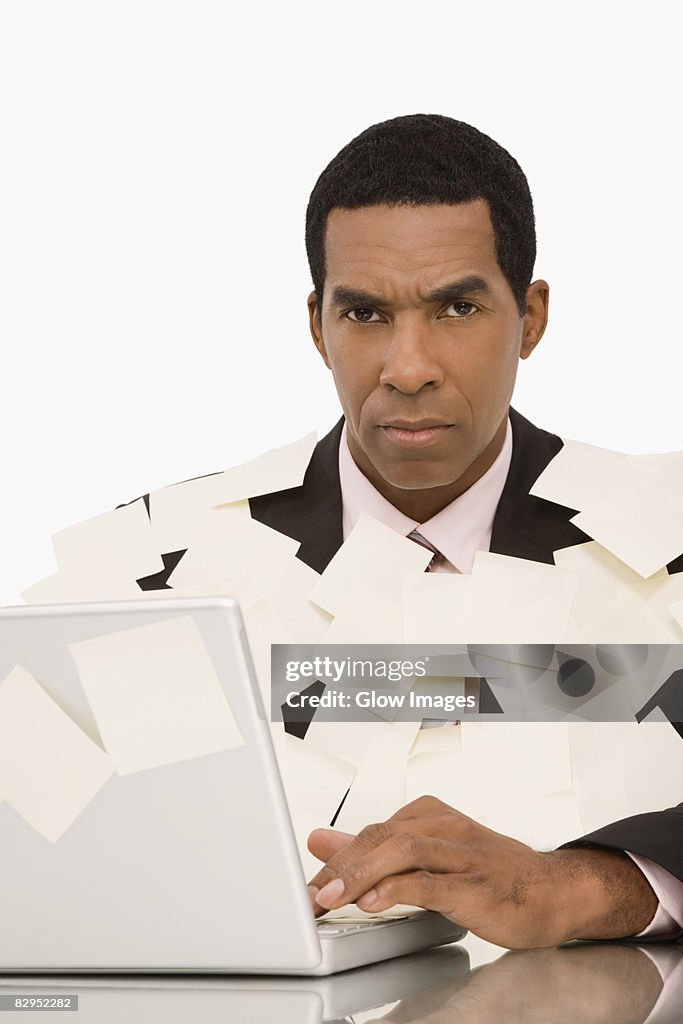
316	327
536	317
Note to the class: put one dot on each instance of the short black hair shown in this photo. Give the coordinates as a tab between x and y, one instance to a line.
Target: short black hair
423	159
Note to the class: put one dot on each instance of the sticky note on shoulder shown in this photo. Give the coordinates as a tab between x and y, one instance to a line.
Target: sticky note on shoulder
155	695
49	769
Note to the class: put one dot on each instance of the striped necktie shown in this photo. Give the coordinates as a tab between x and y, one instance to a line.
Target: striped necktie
437	557
423	542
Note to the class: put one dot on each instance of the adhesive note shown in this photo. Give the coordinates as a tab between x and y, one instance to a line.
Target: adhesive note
430	601
582	475
623	768
624	620
505	769
64	588
371	561
631	504
239	553
603	578
155	695
180	511
670	464
514	777
275	470
365	617
677	612
500	607
640	524
600	578
289	597
115	546
315	783
534	756
438	774
549	820
264	627
659	592
491	564
350	741
443	740
556	586
49	769
379	787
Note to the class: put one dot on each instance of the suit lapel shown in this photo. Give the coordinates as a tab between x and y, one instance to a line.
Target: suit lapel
525	526
312	513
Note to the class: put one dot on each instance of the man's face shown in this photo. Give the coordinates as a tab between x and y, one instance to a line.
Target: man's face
423	336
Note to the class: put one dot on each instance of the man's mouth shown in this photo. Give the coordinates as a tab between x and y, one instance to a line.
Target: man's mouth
417	433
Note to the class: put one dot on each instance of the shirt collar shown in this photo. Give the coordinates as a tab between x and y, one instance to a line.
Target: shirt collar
458	530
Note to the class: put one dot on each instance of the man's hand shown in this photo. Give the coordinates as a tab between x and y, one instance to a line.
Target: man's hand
430	855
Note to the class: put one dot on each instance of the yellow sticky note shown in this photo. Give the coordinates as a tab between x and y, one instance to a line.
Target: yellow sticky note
155	695
49	769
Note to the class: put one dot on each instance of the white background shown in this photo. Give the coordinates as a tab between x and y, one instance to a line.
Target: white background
157	159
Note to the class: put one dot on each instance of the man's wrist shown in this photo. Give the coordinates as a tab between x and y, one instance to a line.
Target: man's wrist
599	894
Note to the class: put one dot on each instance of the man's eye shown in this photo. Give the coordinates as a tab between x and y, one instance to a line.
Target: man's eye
362	315
462	309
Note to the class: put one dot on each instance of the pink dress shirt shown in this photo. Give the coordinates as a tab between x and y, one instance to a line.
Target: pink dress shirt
458	531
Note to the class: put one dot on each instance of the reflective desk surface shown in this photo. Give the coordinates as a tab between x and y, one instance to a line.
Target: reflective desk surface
471	982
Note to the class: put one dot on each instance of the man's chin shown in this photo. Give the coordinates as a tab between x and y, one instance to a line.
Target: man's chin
417	477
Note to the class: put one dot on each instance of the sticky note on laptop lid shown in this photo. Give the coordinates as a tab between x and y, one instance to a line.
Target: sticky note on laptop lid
49	769
155	695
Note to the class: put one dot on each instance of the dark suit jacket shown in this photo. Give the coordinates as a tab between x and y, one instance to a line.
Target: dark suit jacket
524	526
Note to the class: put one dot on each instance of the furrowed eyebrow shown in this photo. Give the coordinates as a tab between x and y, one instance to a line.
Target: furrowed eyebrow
342	296
453	292
472	285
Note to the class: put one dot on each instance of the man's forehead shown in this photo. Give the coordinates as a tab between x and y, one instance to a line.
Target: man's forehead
383	250
410	238
409	224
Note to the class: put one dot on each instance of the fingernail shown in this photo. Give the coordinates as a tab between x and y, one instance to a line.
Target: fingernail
313	892
331	893
368	900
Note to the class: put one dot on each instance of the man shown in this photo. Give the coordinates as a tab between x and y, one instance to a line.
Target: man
421	242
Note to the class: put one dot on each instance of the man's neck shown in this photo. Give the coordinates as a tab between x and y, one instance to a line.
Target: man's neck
422	505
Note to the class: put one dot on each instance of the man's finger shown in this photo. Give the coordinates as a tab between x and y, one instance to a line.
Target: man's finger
401	853
432	891
366	840
324	843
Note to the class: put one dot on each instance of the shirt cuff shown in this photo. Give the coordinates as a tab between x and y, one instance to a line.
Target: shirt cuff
668	920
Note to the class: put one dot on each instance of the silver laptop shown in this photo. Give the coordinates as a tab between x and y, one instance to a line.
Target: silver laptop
186	867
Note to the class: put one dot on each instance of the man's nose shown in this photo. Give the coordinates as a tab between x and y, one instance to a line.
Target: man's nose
410	359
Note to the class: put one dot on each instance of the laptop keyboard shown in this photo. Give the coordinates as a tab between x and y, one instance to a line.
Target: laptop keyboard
345	926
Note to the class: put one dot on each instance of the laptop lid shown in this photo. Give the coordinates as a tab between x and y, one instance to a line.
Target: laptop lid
184	866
